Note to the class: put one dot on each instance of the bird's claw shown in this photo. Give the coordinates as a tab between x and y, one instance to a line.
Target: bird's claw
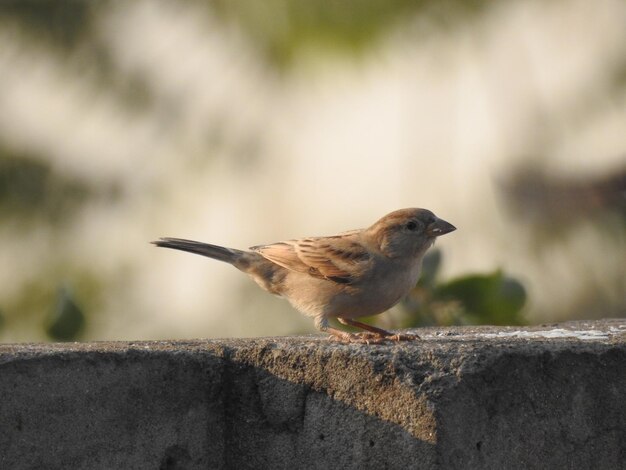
403	337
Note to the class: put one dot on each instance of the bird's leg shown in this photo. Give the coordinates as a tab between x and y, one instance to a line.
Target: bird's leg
365	326
378	332
344	336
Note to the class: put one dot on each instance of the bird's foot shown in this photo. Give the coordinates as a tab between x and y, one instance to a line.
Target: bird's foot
377	334
371	338
357	338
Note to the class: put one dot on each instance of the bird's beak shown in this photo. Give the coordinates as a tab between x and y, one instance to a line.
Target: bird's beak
439	227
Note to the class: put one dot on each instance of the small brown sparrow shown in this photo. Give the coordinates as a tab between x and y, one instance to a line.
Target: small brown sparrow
354	274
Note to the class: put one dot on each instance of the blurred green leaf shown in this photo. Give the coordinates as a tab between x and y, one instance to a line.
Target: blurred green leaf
67	321
285	28
31	190
22	182
472	299
63	23
491	298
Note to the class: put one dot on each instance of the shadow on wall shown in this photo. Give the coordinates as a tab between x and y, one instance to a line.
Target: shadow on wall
202	409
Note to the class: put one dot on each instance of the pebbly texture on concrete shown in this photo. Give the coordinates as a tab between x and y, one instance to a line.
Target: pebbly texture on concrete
551	396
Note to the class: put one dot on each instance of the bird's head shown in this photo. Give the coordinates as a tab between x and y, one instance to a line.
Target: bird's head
408	232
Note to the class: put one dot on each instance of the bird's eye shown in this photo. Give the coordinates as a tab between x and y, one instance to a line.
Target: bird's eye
411	225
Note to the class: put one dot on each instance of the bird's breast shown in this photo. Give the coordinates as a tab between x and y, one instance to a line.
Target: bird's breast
382	289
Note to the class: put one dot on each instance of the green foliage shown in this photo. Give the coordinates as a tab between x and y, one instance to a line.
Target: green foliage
66	321
46	309
34	196
63	23
283	29
30	189
492	298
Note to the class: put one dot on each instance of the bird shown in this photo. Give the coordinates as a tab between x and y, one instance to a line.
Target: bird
353	274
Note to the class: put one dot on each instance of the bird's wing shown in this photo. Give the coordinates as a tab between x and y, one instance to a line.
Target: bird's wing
340	258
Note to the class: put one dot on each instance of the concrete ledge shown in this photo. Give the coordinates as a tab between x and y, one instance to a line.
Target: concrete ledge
552	396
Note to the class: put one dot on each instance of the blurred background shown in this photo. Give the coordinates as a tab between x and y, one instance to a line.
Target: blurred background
242	122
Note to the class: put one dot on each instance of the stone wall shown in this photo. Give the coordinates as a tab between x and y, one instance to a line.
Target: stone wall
552	396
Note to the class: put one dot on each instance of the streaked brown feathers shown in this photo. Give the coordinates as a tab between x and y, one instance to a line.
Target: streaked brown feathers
337	258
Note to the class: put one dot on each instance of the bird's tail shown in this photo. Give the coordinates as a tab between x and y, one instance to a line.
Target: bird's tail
228	255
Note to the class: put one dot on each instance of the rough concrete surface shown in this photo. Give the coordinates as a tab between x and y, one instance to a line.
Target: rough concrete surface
551	396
